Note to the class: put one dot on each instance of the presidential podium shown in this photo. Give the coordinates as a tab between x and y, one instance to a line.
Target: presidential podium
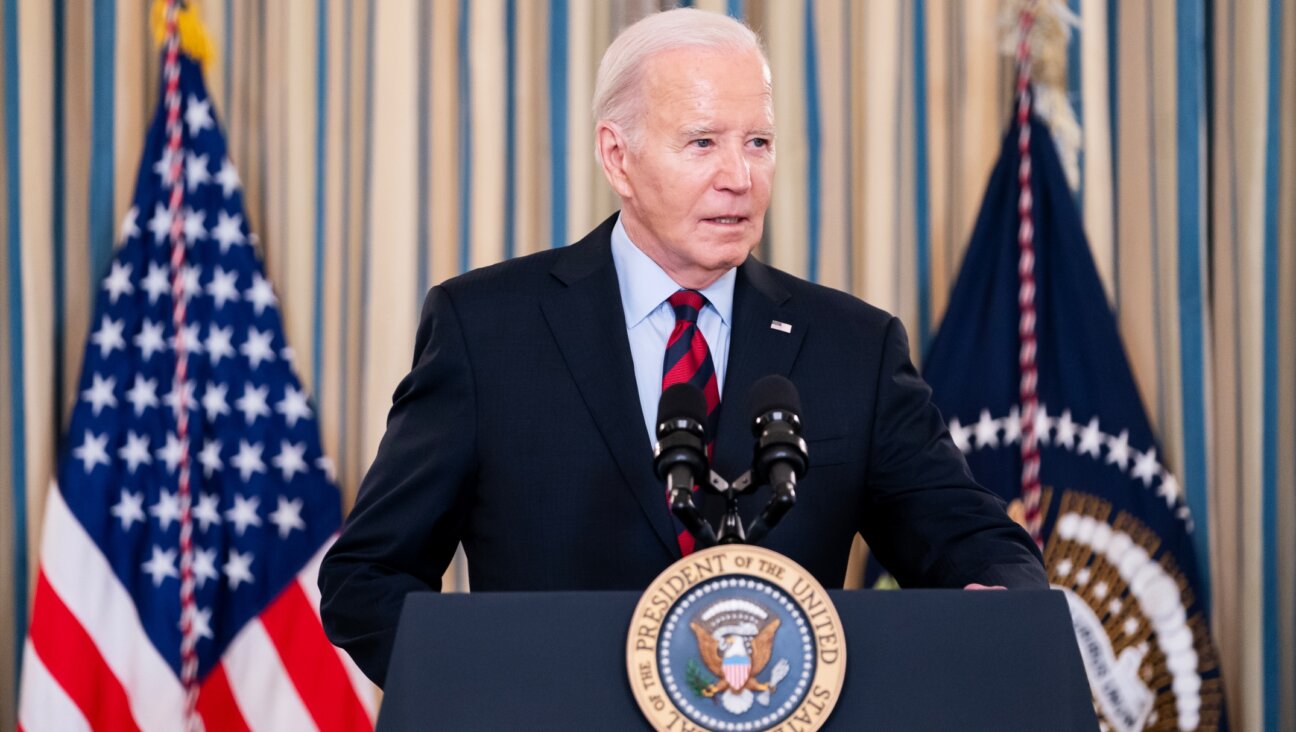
916	660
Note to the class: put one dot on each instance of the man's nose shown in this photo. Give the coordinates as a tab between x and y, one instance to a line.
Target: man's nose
734	173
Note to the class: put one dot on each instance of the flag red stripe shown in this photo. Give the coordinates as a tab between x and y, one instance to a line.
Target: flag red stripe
216	704
311	662
74	661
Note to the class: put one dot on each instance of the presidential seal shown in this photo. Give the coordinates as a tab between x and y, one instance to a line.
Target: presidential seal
736	638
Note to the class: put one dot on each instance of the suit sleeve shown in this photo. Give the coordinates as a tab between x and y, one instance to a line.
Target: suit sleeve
412	504
925	517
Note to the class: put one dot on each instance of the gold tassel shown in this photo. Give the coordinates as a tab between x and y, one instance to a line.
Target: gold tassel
1054	24
194	39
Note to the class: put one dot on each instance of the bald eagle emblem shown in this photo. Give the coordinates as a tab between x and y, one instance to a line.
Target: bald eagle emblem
736	640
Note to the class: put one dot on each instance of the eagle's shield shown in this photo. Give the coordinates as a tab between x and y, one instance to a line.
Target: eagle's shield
736	671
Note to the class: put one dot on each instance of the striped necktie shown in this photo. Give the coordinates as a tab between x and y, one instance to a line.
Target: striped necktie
689	360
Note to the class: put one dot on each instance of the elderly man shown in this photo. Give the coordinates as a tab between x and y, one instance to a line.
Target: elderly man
525	428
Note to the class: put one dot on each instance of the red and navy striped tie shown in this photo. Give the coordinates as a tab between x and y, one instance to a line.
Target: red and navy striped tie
689	360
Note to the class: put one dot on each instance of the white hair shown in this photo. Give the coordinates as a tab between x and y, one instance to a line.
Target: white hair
617	96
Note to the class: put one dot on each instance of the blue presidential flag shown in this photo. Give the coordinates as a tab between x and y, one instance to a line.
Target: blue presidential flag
1115	528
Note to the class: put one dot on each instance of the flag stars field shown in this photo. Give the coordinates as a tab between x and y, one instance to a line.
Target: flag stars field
204	566
196	172
206	511
93	451
244	512
157	283
238	569
100	394
260	294
218	344
135	452
161	566
195	225
214	403
142	394
223	287
166	510
248	462
130	225
118	282
257	347
228	231
129	509
150	339
160	223
228	178
253	403
287	516
293	406
109	336
1093	442
209	457
169	453
291	459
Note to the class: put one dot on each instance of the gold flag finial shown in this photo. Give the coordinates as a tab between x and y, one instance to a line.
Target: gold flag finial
194	39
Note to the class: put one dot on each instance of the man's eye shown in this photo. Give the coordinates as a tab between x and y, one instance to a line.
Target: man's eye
703	143
760	142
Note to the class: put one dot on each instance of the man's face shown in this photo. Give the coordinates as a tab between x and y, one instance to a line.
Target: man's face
697	182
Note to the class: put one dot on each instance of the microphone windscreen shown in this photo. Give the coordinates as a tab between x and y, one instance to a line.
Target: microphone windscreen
682	401
773	392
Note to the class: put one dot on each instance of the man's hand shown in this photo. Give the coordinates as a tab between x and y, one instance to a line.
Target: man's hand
979	586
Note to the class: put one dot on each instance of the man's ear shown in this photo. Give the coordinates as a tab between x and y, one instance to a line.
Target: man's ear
613	149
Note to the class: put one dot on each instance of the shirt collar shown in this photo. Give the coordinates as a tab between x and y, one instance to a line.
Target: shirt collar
645	286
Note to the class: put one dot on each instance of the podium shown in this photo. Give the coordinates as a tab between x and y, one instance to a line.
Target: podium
916	660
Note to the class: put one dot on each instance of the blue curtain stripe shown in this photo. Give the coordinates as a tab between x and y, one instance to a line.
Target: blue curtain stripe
1272	581
466	136
102	231
1189	48
814	143
58	222
344	325
366	205
510	129
18	470
922	212
321	187
558	120
424	151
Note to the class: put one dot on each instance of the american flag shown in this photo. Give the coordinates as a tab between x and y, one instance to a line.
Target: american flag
104	646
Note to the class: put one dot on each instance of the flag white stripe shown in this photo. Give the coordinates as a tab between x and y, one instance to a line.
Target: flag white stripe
85	582
308	578
42	703
260	684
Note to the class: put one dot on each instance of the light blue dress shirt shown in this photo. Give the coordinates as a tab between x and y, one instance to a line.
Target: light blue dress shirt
650	320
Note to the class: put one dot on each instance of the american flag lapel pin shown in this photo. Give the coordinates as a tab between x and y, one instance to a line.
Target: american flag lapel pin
780	326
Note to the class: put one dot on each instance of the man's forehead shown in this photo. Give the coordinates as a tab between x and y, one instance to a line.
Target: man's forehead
701	90
678	67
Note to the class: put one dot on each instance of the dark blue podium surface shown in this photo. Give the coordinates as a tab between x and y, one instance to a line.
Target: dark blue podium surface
916	660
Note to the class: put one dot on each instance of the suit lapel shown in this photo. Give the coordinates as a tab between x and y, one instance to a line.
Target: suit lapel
757	348
588	323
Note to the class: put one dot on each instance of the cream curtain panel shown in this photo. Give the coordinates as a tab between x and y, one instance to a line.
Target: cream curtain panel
387	145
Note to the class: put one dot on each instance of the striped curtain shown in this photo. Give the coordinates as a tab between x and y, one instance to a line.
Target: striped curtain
386	146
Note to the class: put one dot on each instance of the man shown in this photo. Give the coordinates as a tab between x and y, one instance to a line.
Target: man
525	428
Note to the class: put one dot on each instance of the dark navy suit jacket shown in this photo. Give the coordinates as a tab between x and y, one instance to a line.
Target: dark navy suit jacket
519	433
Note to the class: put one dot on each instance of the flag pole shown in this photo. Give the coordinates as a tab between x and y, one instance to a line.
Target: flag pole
175	153
1026	278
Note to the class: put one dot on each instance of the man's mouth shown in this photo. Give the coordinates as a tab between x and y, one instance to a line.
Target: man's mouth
728	220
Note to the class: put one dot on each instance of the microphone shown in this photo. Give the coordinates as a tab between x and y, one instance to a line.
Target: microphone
679	456
780	457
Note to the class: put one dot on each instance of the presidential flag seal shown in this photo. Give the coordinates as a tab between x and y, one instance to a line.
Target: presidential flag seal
736	638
